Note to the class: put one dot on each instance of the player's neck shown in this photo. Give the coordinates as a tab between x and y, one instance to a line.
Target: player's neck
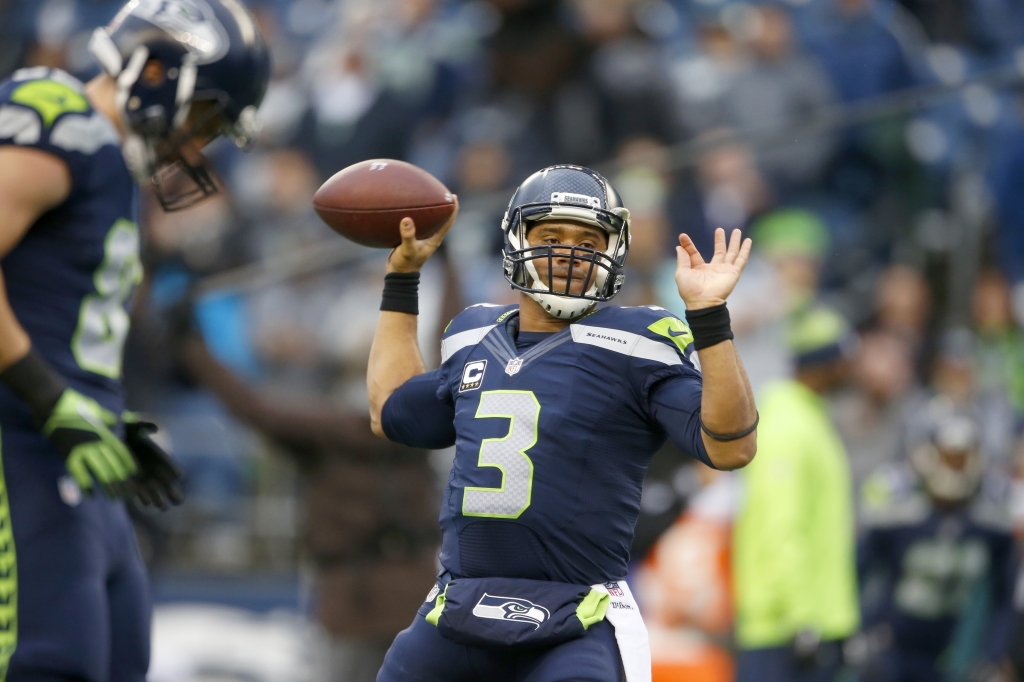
533	318
101	92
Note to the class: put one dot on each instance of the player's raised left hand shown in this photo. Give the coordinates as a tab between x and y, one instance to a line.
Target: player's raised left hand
412	253
157	482
705	284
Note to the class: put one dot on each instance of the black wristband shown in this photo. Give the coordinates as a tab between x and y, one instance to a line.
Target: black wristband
709	326
731	436
37	383
401	292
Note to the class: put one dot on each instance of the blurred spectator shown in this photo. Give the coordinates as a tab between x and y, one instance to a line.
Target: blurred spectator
969	23
955	375
856	44
1007	180
782	277
999	355
727	189
702	78
625	67
861	44
871	417
940	551
643	183
776	92
483	165
796	592
389	71
796	242
370	517
685	586
903	308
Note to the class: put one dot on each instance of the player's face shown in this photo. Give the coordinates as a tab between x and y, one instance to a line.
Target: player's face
567	234
204	124
955	459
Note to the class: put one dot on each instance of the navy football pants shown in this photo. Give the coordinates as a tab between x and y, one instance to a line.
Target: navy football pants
779	664
80	588
421	654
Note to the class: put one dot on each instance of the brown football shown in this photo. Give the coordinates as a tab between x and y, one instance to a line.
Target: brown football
366	202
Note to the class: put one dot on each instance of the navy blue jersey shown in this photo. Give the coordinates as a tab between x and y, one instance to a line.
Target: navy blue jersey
935	562
69	278
553	439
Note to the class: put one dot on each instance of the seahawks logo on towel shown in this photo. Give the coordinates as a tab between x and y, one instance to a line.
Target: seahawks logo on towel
510	608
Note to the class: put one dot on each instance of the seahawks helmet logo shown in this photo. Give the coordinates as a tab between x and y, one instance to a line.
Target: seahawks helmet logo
511	608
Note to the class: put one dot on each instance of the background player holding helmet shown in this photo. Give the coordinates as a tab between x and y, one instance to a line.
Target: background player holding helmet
939	540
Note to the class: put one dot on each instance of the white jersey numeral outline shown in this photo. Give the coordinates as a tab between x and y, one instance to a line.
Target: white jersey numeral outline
103	322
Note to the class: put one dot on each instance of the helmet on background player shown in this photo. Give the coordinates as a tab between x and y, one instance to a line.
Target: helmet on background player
945	451
565	193
187	71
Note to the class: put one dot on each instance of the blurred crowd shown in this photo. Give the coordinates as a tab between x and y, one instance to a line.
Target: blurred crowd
874	149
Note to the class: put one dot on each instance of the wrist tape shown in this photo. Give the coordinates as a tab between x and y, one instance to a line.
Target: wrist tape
37	383
709	326
401	292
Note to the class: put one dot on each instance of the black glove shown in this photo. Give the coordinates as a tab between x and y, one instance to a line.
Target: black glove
79	428
157	481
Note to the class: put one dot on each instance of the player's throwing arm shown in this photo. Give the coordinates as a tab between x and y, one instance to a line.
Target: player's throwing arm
395	355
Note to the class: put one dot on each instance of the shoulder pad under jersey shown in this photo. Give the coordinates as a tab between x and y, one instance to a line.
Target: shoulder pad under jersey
48	109
659	335
990	507
471	325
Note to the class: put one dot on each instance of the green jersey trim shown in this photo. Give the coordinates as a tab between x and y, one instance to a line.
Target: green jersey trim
8	582
675	330
593	608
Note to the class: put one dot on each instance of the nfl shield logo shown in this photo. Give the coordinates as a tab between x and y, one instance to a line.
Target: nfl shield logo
513	366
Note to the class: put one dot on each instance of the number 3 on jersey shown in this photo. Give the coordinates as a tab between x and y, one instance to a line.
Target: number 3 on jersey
102	321
507	454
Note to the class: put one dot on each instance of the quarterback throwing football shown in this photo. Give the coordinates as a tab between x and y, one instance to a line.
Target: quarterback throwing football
555	408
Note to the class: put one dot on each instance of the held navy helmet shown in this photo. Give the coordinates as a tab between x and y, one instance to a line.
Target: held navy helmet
185	70
566	193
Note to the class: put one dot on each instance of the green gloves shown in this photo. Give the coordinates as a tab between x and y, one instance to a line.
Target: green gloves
80	430
156	482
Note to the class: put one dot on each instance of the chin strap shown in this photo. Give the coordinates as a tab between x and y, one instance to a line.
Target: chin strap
561	307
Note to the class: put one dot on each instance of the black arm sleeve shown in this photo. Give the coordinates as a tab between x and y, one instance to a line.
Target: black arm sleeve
675	405
416	416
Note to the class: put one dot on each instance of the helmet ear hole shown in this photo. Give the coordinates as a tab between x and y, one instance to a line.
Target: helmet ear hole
153	73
